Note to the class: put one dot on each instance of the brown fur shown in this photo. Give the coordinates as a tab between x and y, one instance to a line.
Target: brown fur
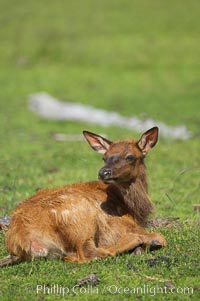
83	221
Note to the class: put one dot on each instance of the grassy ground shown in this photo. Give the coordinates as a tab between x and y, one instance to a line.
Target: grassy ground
137	58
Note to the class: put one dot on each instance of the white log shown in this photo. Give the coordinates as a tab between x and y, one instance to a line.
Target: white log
50	108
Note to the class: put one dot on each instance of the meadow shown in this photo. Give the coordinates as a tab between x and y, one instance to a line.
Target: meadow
134	57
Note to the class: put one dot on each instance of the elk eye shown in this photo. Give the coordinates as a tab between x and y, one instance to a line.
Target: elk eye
130	158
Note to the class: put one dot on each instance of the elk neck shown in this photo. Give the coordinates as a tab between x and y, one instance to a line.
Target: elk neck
134	195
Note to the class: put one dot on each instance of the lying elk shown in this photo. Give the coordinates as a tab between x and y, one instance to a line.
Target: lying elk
91	220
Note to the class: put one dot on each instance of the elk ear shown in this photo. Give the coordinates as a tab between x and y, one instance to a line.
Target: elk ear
148	140
98	143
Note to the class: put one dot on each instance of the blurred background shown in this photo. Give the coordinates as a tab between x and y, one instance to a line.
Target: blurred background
137	57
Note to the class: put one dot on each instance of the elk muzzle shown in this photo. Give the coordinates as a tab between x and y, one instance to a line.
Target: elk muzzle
105	174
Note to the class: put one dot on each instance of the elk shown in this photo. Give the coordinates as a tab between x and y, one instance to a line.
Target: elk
85	221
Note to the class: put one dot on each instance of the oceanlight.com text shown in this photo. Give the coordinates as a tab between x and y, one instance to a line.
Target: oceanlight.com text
113	289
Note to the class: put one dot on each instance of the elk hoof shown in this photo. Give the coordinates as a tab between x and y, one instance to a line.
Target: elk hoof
137	251
155	245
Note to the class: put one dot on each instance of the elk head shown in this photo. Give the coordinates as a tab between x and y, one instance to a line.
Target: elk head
122	158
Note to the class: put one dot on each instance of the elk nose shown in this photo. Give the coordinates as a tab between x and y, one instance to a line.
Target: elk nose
104	173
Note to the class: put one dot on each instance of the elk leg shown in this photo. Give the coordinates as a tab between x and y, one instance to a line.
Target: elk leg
131	241
127	243
78	257
87	252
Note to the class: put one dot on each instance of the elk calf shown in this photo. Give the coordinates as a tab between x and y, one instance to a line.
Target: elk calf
92	220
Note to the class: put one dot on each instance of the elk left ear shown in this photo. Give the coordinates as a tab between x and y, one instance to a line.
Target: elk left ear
148	140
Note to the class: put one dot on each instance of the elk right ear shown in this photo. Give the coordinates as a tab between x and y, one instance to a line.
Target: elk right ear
98	143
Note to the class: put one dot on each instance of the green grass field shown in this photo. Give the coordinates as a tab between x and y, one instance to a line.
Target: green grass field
137	58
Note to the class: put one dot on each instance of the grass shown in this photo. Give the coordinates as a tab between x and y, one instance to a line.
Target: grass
137	58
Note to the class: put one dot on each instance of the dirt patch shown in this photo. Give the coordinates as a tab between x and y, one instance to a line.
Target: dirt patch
163	222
